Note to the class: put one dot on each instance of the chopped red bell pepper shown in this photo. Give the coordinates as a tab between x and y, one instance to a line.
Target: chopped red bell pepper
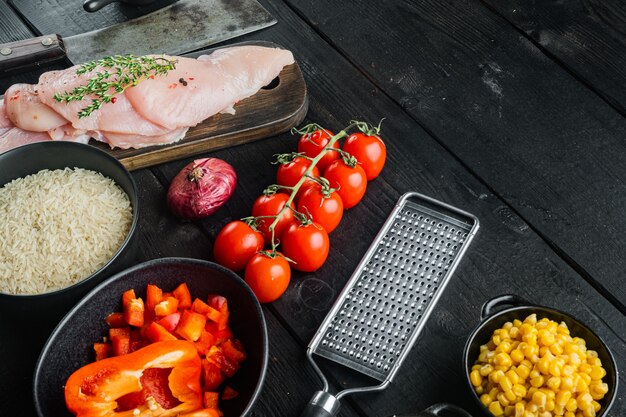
169	305
133	308
120	340
221	335
229	393
166	373
233	350
116	320
216	356
170	321
204	342
220	304
154	295
183	295
200	306
191	325
103	350
212	377
211	399
157	333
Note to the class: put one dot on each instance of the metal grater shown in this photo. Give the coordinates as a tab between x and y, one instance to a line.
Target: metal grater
382	309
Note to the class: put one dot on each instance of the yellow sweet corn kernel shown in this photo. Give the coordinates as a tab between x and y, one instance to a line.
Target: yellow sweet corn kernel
531	319
537	381
485	370
585	367
555	368
503	400
519	390
504	347
503	359
505	384
543	365
523	371
539	398
510	395
583	400
559	410
485	399
592	353
556	349
571	405
517	355
509	411
532	407
581	385
567	383
546	337
571	348
512	376
594	361
496	339
598	390
568	370
563	396
504	334
517	322
479	390
596	406
530	338
554	383
475	378
562	328
569	414
543	351
550	404
493	393
514	333
519	409
544	414
507	325
496	409
589	411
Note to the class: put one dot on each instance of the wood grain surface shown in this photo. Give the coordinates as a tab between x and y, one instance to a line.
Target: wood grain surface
476	115
587	37
512	115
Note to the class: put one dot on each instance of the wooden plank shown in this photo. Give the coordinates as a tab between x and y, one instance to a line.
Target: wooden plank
587	37
11	27
507	255
539	138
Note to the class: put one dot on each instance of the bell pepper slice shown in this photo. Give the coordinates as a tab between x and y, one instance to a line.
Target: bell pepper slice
102	350
204	342
220	304
191	325
120	340
212	377
116	320
183	295
233	350
216	356
168	306
157	333
154	295
200	306
229	393
133	308
170	321
166	374
211	399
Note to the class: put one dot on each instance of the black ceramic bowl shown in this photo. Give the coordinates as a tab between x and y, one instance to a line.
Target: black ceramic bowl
70	345
490	320
30	159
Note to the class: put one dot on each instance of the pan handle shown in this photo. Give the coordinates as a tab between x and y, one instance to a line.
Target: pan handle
501	300
322	404
438	408
30	53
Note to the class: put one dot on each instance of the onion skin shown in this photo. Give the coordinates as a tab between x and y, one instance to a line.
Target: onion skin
201	188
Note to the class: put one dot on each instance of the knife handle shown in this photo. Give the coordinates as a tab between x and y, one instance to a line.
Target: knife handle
30	53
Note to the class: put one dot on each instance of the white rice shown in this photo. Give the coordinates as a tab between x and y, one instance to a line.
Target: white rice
58	227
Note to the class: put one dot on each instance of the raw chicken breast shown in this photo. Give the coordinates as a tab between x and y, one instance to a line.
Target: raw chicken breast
118	117
25	109
214	83
159	110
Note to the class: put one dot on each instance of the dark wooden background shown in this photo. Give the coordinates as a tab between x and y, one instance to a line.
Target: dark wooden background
512	110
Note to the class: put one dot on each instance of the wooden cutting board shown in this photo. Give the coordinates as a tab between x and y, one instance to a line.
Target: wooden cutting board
274	109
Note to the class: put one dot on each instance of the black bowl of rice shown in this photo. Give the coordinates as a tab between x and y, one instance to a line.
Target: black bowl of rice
68	216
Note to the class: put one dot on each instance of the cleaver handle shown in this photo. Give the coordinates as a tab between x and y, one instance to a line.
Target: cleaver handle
30	53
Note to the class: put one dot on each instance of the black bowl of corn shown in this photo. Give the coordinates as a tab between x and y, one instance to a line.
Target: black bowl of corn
527	360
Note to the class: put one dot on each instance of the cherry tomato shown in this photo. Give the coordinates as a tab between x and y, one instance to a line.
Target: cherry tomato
267	277
307	246
289	174
236	244
271	206
352	182
311	145
326	211
370	151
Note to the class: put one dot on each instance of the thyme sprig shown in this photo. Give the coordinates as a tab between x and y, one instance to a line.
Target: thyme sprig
120	72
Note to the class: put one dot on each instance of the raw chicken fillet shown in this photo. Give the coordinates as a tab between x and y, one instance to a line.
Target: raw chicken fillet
159	110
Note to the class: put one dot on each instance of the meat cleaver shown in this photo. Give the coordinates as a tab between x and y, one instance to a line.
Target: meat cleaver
184	26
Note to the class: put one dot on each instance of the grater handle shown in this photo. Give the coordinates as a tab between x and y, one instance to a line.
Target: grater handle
322	404
501	300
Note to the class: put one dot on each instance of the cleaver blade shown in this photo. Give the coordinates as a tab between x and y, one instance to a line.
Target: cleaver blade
181	27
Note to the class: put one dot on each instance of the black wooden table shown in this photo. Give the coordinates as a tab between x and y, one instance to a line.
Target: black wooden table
512	110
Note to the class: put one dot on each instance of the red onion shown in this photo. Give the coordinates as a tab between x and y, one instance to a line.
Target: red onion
201	188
